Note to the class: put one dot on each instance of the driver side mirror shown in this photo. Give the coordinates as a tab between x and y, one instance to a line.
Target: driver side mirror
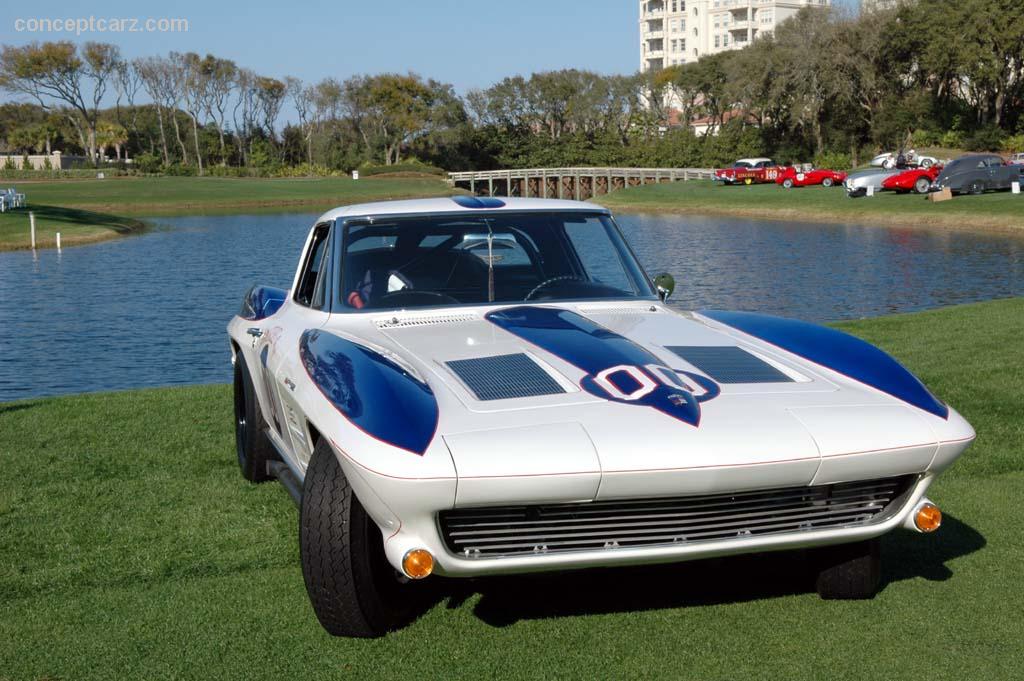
665	284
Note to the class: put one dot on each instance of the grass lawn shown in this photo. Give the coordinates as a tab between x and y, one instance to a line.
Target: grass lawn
1000	210
130	547
91	210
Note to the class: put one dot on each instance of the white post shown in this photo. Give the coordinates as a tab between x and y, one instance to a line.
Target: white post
58	241
871	190
32	228
1015	187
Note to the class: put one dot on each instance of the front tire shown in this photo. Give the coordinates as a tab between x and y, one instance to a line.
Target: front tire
787	183
976	188
827	182
849	571
922	185
252	446
353	589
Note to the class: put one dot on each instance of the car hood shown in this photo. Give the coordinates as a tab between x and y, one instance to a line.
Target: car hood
626	388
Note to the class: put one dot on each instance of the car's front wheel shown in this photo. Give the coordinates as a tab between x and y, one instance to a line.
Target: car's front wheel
787	183
251	444
827	182
921	185
849	571
976	188
353	589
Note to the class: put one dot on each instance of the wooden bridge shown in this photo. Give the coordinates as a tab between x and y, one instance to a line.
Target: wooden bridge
567	183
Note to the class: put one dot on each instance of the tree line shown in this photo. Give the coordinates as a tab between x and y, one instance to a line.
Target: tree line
825	86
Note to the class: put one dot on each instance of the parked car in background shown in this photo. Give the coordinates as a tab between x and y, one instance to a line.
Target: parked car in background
911	159
749	171
856	184
1017	159
977	173
791	177
917	180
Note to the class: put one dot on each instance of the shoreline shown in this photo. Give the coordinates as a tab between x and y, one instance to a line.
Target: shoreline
100	223
1004	224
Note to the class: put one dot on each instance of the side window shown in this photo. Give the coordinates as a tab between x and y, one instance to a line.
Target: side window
309	292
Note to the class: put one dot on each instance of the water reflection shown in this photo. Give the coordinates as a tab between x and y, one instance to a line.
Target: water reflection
151	310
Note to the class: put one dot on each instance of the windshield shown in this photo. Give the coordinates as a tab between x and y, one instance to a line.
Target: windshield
434	260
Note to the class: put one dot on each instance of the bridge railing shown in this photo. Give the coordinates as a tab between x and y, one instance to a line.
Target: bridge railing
578	183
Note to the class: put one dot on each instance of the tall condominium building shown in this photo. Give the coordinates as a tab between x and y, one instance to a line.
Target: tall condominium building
680	31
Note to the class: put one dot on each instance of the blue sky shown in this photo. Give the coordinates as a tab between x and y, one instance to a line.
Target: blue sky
468	44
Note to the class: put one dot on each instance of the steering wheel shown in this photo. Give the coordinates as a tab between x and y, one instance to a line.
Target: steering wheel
553	280
413	298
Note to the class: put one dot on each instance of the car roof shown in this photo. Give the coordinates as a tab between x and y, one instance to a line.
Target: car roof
459	204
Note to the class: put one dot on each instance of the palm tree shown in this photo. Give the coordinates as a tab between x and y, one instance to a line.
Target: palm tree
110	134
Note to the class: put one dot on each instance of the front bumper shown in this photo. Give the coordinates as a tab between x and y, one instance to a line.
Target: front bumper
410	520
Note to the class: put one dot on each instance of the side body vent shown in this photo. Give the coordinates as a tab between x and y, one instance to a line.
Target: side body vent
402	322
730	364
504	377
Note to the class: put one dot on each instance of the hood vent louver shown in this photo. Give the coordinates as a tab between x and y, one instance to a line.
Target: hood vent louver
729	364
504	377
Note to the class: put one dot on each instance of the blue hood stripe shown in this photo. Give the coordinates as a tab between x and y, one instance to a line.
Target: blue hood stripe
593	349
375	394
838	351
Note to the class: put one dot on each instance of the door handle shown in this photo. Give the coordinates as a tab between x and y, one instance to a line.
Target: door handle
288	382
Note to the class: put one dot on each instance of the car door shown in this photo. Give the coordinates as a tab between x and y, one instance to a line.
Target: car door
308	308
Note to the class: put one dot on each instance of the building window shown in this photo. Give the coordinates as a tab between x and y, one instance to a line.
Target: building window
725	40
716	42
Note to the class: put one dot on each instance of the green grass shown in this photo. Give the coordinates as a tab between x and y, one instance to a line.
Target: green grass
91	210
1001	210
130	547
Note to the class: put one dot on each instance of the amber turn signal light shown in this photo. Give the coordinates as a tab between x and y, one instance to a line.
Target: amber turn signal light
928	518
418	563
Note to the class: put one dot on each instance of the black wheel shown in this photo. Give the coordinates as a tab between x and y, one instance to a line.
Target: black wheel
353	589
976	188
927	163
787	183
827	182
921	185
849	571
251	444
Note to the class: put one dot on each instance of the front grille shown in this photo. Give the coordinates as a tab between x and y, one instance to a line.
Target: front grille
588	526
503	377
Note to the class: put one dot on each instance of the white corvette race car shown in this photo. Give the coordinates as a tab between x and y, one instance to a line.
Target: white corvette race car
466	387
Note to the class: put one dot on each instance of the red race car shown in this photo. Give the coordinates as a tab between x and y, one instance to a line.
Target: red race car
913	180
749	171
791	177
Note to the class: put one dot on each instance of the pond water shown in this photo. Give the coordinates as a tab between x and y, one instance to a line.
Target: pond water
151	310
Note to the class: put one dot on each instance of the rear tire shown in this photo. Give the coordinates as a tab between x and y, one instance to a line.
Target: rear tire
849	571
976	188
252	446
353	589
827	182
921	185
787	183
